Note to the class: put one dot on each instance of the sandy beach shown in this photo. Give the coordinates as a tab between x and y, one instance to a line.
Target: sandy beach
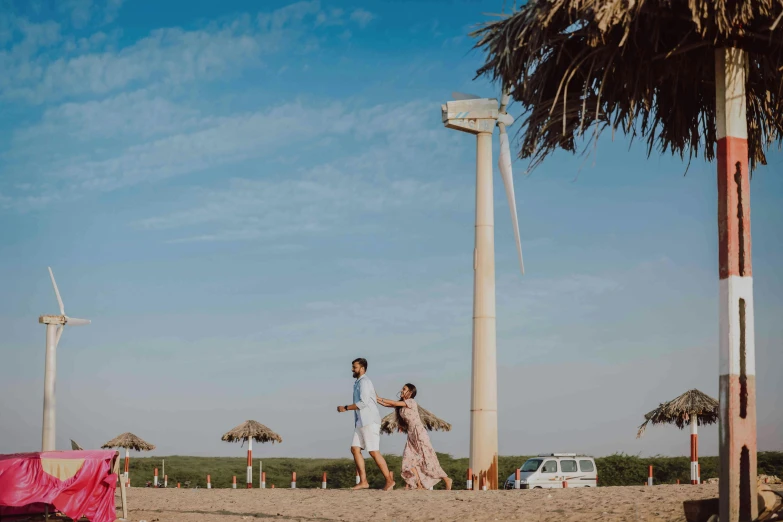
611	504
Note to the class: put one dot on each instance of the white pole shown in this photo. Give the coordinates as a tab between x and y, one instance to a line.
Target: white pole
164	467
127	467
483	409
50	375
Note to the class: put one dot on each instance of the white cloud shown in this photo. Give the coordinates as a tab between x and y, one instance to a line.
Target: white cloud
362	17
168	56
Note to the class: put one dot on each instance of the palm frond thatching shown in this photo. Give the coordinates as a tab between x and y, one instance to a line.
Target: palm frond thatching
129	441
251	429
642	68
430	421
678	411
75	446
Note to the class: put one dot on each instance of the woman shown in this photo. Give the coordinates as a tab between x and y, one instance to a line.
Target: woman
420	466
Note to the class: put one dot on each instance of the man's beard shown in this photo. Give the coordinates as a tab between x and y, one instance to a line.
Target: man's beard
355	375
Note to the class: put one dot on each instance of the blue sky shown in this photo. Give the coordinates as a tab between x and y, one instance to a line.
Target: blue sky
245	196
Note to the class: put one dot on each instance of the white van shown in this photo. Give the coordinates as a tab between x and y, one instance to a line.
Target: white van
550	470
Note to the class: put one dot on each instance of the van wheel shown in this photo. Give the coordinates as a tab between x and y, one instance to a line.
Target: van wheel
537	487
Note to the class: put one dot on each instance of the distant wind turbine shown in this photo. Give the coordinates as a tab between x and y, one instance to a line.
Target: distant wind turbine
55	324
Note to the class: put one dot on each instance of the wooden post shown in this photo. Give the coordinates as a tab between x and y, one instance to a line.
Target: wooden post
737	419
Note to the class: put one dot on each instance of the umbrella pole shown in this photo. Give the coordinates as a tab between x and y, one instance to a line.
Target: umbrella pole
737	419
250	463
127	467
694	450
484	387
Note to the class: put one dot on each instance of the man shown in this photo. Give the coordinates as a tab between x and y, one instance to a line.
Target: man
367	421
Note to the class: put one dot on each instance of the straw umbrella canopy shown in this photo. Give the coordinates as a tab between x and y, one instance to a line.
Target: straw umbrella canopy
644	68
249	431
430	421
680	410
129	441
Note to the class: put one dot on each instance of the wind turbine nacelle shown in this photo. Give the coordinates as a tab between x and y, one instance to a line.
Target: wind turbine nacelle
52	319
473	116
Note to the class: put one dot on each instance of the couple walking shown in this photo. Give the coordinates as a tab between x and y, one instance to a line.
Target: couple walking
420	466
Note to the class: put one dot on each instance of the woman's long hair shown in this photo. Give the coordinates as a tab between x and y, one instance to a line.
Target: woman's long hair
402	424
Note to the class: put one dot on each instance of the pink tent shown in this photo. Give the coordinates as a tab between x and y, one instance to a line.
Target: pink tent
76	483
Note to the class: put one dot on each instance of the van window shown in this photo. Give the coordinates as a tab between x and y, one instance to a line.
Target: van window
531	465
550	466
567	466
586	465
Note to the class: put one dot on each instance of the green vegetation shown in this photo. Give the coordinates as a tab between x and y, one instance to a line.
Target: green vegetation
614	470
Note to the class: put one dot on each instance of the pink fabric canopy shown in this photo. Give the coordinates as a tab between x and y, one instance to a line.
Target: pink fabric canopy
76	483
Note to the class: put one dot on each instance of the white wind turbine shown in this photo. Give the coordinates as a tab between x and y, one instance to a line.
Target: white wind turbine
55	324
479	116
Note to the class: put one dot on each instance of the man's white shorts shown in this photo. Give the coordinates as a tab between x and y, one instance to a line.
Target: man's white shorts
367	437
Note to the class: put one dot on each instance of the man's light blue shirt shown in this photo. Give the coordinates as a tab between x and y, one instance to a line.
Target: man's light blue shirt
364	398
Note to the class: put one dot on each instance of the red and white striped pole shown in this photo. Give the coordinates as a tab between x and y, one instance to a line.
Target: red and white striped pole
263	480
516	479
323	481
649	477
737	419
293	480
209	482
698	473
234	482
249	478
155	478
127	468
469	484
694	449
177	485
565	484
165	481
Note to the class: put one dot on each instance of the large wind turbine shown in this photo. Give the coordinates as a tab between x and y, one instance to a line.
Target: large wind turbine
479	116
55	324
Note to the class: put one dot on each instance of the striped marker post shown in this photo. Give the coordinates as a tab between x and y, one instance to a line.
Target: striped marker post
516	479
694	450
263	480
177	485
469	483
649	477
678	482
165	481
737	419
293	480
249	478
698	473
234	482
155	478
565	484
209	482
323	481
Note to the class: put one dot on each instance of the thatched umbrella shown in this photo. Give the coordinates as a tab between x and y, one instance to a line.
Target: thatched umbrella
129	441
249	431
692	407
685	76
430	421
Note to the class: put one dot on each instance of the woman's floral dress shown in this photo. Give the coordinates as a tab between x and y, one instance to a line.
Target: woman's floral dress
418	451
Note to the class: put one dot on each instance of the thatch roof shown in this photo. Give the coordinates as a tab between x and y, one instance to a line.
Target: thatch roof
129	441
75	446
644	68
430	421
678	411
251	429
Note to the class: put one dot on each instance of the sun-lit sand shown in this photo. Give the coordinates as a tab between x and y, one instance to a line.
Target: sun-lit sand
612	504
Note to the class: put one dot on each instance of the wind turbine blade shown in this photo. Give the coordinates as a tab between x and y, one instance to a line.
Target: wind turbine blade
504	163
464	96
76	322
59	334
57	292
